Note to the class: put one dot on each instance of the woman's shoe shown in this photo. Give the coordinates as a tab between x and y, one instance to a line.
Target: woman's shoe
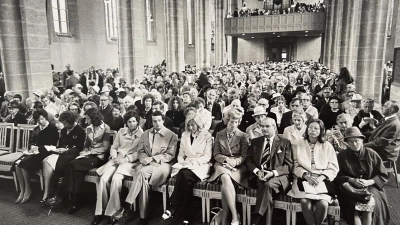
43	202
53	201
25	200
19	199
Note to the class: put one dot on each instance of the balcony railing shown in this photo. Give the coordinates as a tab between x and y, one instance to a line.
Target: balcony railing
276	23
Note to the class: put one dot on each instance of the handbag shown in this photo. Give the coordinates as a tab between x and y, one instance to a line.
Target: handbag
358	194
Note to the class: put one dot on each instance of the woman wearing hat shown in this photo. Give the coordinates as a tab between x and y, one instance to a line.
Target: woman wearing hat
362	167
15	116
315	164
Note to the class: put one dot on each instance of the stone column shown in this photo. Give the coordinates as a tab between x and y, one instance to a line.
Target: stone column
231	6
203	34
371	48
328	33
234	49
175	35
219	35
131	38
347	18
25	46
336	34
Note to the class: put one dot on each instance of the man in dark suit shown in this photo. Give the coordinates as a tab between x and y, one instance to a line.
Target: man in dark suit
212	105
385	138
286	120
15	116
106	109
68	72
322	101
270	161
158	106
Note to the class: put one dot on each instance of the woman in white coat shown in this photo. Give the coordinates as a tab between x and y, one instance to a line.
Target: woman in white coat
296	132
193	166
204	114
123	158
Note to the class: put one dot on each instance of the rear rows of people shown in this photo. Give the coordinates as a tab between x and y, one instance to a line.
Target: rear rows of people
328	136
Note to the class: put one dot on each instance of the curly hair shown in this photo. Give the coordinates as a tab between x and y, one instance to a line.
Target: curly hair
38	113
67	117
171	103
129	114
74	104
199	101
321	136
147	96
95	116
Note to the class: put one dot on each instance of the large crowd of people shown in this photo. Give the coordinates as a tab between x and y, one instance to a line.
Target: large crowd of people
294	128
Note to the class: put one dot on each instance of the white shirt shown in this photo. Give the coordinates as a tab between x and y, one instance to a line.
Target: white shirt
271	140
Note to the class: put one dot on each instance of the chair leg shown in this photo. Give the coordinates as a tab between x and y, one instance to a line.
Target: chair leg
203	209
288	217
15	181
293	217
208	208
165	200
244	213
248	208
395	173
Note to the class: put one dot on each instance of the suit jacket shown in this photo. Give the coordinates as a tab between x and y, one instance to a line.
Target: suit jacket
164	150
107	114
385	139
287	121
74	141
19	118
281	158
216	111
236	149
361	114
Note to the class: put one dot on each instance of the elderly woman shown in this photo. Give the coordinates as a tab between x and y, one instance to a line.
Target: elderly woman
97	144
193	166
336	134
296	131
361	167
145	109
71	141
175	112
122	162
315	165
330	112
279	109
204	114
230	152
31	160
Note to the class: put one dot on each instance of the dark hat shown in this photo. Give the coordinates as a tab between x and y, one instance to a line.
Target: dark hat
13	104
353	132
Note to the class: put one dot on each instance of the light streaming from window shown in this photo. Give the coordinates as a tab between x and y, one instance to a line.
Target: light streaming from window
60	16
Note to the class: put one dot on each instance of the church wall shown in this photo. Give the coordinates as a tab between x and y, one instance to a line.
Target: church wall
308	48
250	50
88	44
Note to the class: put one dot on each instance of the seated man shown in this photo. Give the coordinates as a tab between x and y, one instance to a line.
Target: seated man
366	124
157	106
254	131
156	150
385	138
270	162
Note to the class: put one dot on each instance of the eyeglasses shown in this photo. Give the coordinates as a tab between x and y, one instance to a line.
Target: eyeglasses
103	100
305	100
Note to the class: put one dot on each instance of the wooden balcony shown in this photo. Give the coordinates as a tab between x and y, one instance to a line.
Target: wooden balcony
313	22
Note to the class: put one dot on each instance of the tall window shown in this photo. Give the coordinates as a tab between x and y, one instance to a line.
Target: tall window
150	25
189	15
60	16
110	7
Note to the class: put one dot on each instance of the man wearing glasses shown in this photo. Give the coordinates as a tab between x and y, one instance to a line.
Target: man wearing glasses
106	109
305	100
322	101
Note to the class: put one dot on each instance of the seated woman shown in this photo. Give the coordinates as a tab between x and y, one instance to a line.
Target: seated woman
74	108
97	144
193	166
117	120
188	112
44	134
204	114
279	109
362	167
315	164
175	112
123	158
296	131
230	152
145	109
87	105
335	135
70	144
222	125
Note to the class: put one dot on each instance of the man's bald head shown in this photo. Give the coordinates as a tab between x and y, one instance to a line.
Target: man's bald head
268	127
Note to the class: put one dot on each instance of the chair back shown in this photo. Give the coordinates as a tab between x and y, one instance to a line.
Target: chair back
6	136
23	135
112	136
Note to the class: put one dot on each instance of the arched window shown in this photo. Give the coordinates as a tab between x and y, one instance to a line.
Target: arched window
60	16
110	9
190	22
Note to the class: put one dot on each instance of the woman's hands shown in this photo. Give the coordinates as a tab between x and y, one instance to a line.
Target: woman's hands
314	181
360	183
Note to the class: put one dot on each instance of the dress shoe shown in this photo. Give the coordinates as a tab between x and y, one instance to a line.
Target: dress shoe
111	221
53	201
25	200
120	214
73	209
97	220
19	199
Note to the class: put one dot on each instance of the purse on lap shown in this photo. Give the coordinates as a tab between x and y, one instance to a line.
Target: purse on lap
358	194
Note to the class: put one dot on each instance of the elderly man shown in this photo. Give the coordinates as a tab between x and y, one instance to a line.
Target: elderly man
15	116
4	111
270	162
364	119
106	109
385	137
322	101
212	105
286	120
156	150
254	131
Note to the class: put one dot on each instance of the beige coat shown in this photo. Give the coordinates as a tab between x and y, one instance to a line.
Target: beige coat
292	135
162	151
198	153
124	145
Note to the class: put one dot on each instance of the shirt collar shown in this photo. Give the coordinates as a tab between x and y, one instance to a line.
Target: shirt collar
162	132
101	126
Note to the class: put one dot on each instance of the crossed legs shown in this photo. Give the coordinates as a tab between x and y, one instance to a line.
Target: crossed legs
24	182
228	199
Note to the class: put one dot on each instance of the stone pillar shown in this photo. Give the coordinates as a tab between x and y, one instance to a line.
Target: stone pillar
203	34
352	44
336	34
234	49
219	35
131	39
175	35
371	48
231	6
328	33
347	18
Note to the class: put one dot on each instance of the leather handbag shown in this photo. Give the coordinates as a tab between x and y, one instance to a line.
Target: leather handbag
361	195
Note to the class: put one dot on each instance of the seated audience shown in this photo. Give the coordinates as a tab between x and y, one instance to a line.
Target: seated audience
335	135
254	130
364	120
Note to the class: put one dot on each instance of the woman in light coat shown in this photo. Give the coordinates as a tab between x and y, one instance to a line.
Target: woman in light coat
230	152
295	132
122	162
315	163
204	114
193	166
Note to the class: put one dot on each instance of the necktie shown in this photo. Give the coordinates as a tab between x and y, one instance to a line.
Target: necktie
191	139
266	154
210	106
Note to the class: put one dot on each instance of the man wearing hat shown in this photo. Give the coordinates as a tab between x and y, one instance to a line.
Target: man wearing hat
37	95
353	105
254	130
15	116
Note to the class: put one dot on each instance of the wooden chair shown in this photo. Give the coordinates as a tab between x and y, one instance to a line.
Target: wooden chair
198	191
392	164
282	201
6	138
333	211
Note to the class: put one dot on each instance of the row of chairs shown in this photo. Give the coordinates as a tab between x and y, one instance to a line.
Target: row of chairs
206	191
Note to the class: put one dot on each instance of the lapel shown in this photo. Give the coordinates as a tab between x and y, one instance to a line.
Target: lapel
235	139
259	147
224	139
197	141
146	142
275	146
